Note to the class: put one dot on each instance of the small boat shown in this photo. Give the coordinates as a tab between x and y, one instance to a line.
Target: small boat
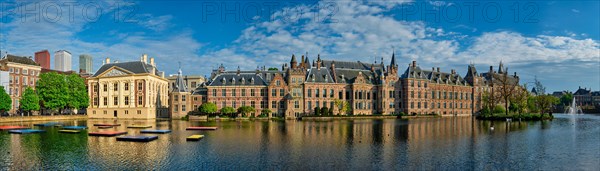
137	138
47	124
107	133
9	127
75	127
58	125
156	131
139	126
105	124
202	128
26	131
195	137
69	131
104	127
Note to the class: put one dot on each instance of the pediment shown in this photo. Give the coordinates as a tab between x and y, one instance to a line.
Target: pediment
115	71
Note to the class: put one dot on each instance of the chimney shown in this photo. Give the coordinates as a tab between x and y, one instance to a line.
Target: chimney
152	61
145	58
438	69
432	69
414	63
515	74
107	60
452	71
491	68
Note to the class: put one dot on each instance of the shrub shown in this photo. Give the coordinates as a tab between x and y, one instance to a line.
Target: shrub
317	111
499	109
325	111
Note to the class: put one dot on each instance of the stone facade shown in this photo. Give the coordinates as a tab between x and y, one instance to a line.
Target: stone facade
131	90
368	88
23	73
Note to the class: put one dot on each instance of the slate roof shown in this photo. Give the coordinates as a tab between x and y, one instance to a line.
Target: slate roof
235	79
136	67
321	75
352	65
582	91
348	76
21	60
180	85
433	76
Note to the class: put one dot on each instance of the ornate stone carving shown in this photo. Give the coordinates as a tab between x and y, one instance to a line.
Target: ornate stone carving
115	72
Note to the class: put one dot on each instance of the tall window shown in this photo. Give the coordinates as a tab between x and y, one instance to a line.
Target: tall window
140	86
214	92
309	93
96	101
273	104
273	92
116	101
278	82
140	101
223	93
253	104
263	92
233	104
252	92
126	86
126	100
309	105
105	101
115	86
281	92
105	87
324	93
243	92
176	98
183	108
316	92
183	98
296	104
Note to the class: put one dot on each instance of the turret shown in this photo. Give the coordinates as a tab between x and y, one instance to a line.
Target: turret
293	62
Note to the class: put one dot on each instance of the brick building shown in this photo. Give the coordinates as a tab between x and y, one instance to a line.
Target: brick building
23	73
369	88
43	58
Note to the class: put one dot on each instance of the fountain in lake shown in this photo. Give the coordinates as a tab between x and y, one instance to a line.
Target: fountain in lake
573	109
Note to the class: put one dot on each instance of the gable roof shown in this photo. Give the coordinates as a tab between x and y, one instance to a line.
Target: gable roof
241	79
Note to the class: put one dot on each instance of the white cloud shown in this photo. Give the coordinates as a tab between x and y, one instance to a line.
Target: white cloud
575	10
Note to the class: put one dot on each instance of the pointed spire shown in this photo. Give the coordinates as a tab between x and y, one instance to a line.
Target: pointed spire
319	57
180	85
293	58
393	63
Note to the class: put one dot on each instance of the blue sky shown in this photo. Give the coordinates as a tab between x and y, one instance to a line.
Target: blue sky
557	41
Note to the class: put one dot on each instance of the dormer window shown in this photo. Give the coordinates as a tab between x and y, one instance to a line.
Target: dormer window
243	80
224	80
252	80
232	80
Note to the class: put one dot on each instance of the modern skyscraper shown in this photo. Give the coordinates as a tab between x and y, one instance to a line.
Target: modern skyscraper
62	60
43	58
85	63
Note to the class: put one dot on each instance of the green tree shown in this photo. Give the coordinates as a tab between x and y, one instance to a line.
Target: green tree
330	111
207	108
245	110
325	111
227	110
29	101
343	106
566	99
273	69
265	112
53	91
545	103
317	111
77	94
5	101
519	99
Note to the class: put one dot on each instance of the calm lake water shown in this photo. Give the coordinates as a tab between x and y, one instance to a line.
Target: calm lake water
569	142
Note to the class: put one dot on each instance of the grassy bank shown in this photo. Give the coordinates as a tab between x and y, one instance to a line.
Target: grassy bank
523	117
